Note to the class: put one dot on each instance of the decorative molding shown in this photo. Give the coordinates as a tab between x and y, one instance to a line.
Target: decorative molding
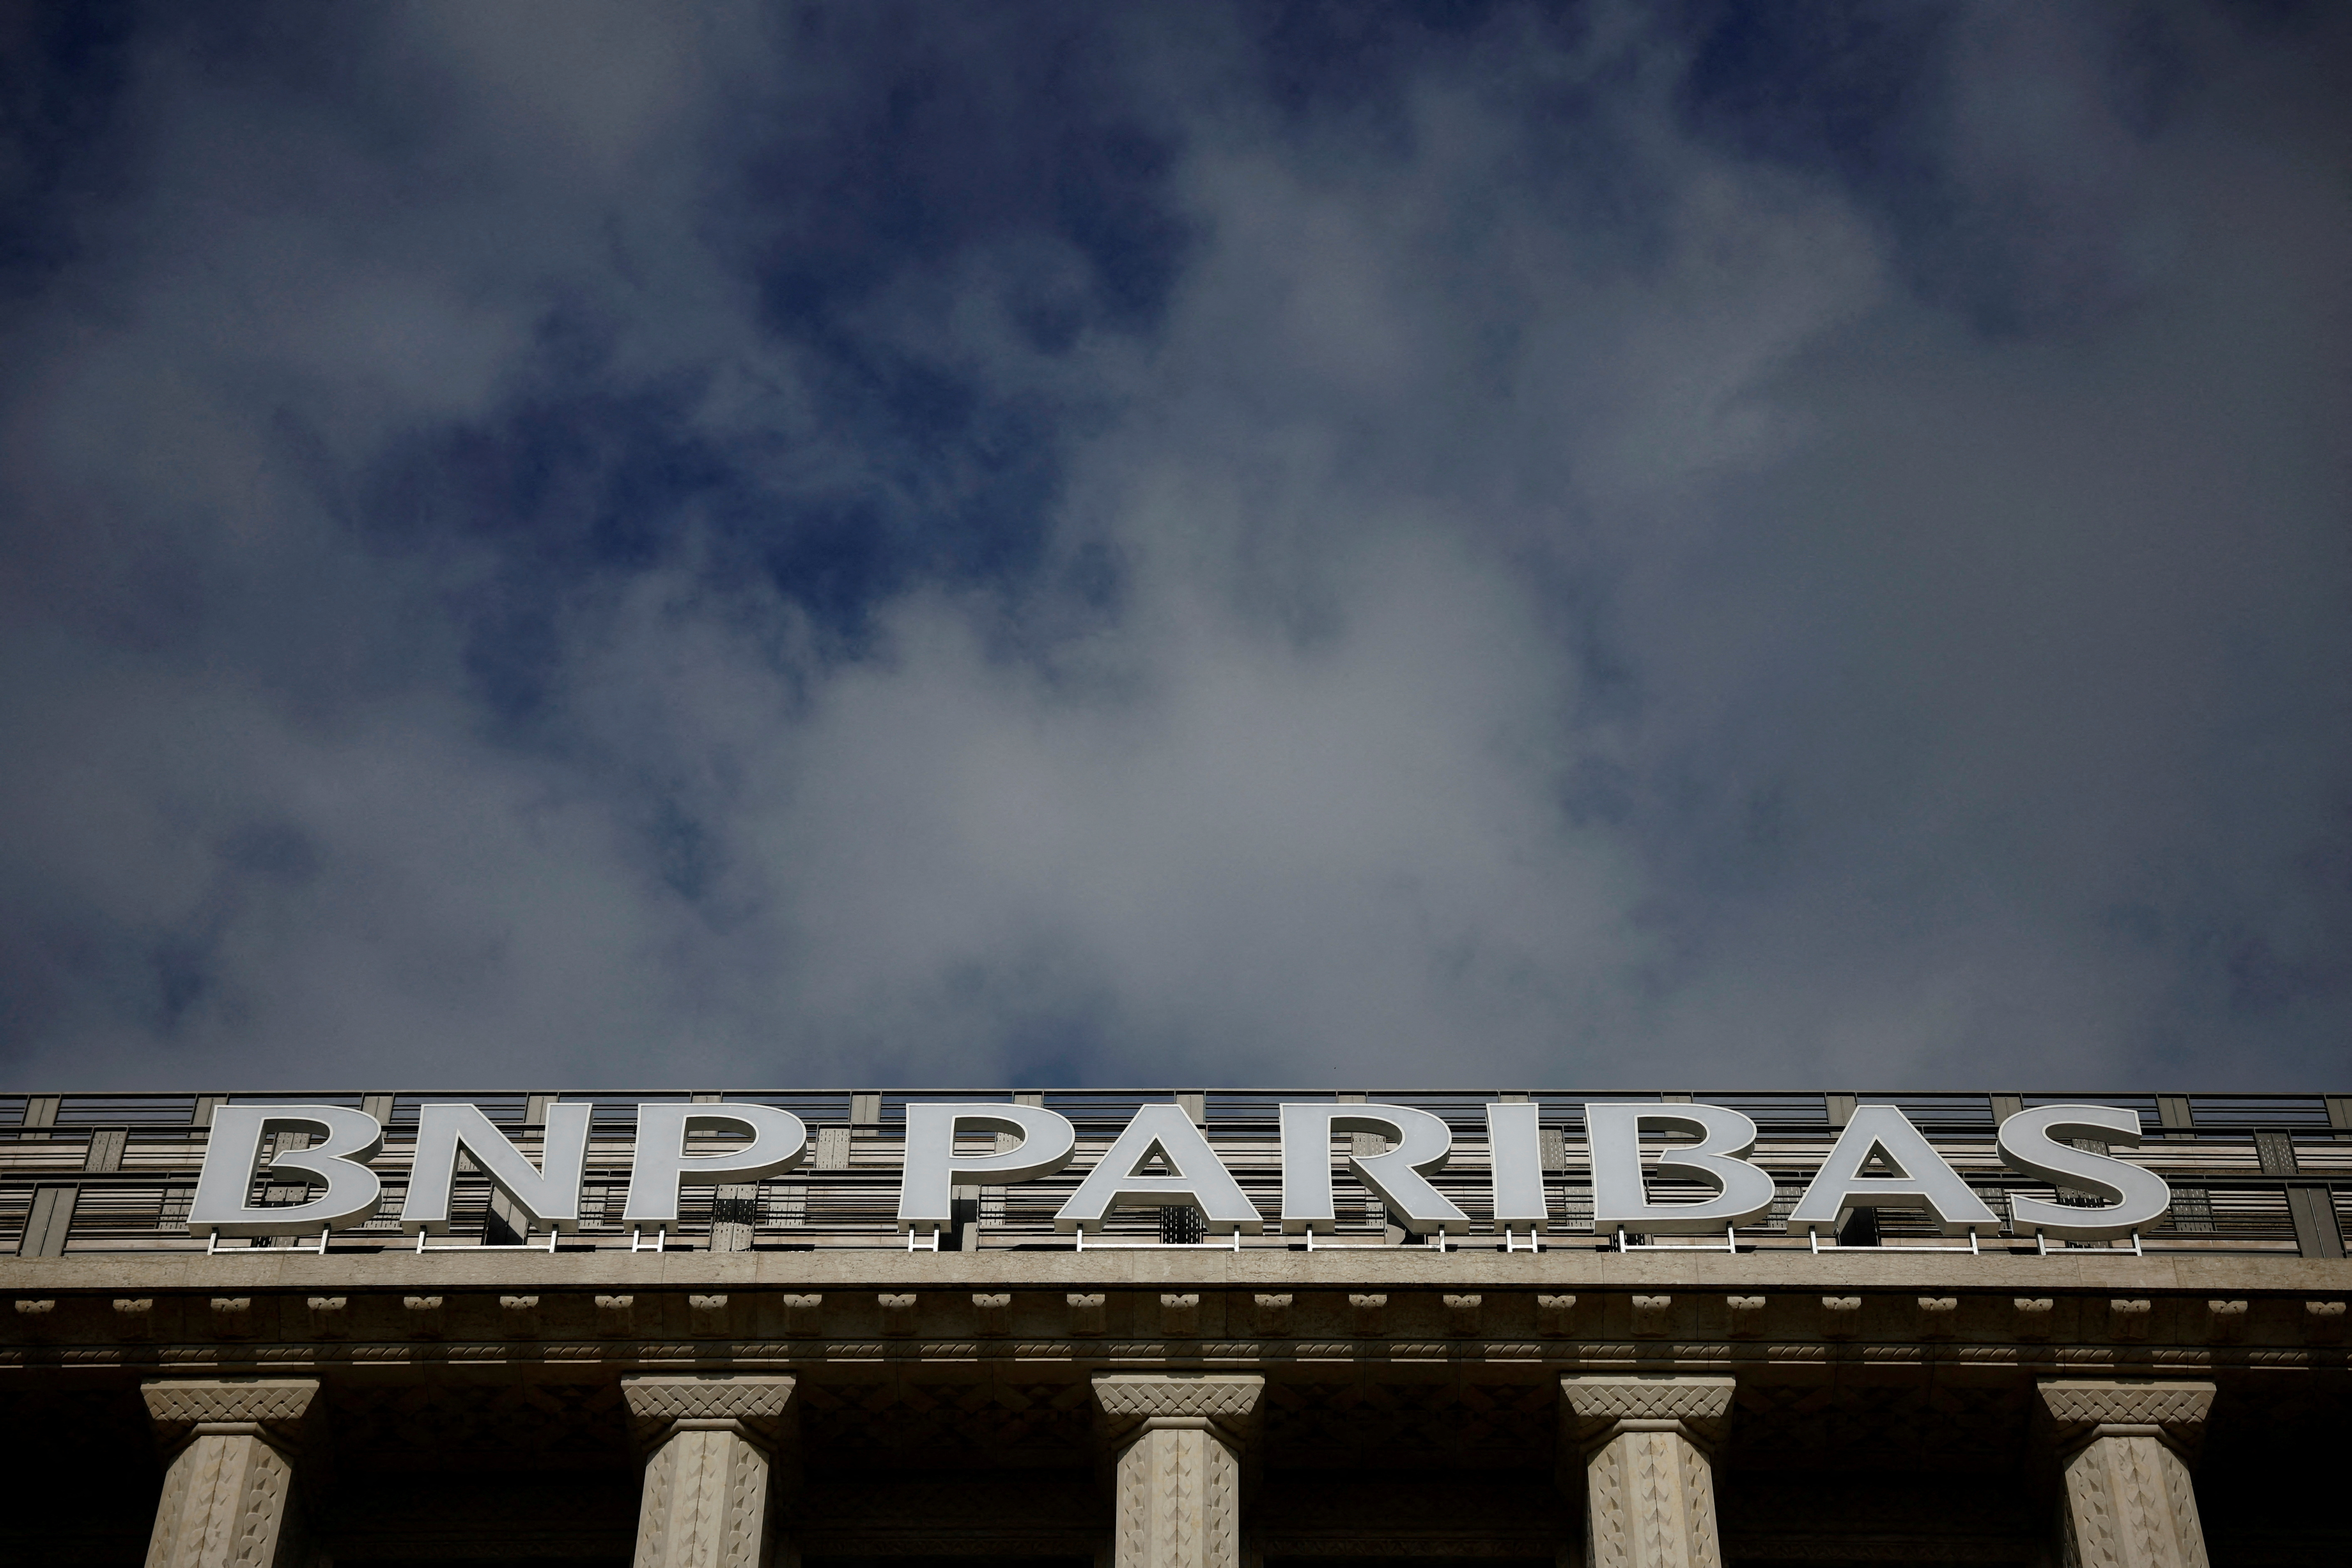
656	1400
2323	1322
2178	1408
1180	1313
1231	1397
2225	1320
1600	1406
255	1401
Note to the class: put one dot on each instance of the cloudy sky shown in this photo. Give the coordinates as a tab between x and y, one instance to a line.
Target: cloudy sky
1668	545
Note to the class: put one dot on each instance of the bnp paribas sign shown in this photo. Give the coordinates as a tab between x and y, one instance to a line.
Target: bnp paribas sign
1161	1158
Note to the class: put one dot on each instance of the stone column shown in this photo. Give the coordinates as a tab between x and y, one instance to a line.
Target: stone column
228	1497
1649	1482
2123	1448
1178	1441
710	1445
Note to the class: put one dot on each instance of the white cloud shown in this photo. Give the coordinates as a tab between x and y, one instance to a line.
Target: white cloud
1573	614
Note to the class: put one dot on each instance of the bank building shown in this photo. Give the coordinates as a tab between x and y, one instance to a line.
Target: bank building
1174	1329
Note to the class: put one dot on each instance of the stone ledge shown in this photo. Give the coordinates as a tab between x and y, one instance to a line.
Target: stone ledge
1364	1270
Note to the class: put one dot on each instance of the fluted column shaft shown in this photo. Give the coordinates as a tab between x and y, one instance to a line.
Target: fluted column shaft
2122	1447
1649	1481
1179	1442
708	1499
228	1495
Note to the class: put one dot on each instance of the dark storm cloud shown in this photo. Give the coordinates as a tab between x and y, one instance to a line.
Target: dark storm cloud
1310	543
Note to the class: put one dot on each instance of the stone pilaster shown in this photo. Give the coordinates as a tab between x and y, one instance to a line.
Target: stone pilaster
2123	1448
1649	1482
709	1492
1178	1441
228	1497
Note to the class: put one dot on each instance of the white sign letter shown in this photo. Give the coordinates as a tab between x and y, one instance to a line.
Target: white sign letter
352	1138
2135	1198
1196	1176
927	1185
779	1139
550	1194
1921	1179
1620	1197
1514	1152
1422	1143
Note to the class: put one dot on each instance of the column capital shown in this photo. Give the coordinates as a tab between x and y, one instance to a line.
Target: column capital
1134	1402
269	1407
753	1403
1600	1406
2082	1409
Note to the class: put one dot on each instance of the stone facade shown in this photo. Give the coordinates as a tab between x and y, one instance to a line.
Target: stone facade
1602	1408
760	1391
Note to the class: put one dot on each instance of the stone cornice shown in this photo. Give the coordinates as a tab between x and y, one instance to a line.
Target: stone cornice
1564	1268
